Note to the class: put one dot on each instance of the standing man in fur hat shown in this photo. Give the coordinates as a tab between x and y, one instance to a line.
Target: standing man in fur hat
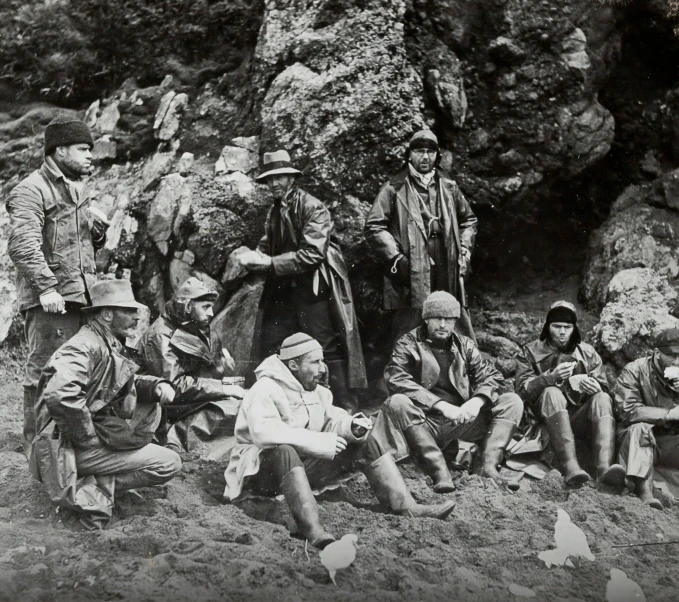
442	389
563	381
422	228
52	241
308	283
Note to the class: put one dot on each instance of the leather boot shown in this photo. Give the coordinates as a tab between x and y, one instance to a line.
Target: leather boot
337	380
302	504
497	439
424	448
391	490
563	443
29	416
603	447
644	489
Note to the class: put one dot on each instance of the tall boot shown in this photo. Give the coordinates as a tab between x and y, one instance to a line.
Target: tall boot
391	490
341	396
29	416
423	446
497	439
604	450
563	442
302	504
644	489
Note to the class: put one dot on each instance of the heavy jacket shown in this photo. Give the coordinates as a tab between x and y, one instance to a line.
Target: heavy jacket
394	226
539	357
413	369
50	239
308	224
642	394
91	373
175	349
277	410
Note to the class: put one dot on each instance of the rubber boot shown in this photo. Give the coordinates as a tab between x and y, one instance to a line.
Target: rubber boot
644	490
423	446
497	439
391	490
29	417
563	443
302	503
603	447
337	379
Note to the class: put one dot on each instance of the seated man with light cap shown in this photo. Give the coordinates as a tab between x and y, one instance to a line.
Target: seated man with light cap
647	401
96	415
564	381
181	347
290	438
442	389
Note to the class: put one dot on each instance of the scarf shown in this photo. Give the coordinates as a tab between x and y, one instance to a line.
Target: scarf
423	178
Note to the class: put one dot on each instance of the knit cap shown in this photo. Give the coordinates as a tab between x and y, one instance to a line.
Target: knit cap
65	131
297	345
424	139
440	304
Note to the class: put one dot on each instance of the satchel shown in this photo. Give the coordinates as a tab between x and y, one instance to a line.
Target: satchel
116	433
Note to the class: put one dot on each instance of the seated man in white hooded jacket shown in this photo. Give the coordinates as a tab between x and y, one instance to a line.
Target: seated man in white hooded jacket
290	437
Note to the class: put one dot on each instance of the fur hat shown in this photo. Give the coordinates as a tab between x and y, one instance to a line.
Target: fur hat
65	131
440	304
563	311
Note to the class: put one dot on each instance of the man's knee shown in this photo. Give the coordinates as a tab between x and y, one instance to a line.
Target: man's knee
510	407
170	464
399	405
286	453
601	405
640	431
551	401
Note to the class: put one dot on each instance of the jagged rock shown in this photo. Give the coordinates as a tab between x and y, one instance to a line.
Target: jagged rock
505	50
104	149
251	143
169	114
239	188
574	50
92	114
108	120
8	293
158	165
164	207
185	163
234	158
639	302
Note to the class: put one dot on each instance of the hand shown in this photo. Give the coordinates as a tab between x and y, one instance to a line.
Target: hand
233	391
464	262
360	425
563	371
449	411
53	303
674	382
471	409
340	444
672	415
255	261
590	386
228	363
165	393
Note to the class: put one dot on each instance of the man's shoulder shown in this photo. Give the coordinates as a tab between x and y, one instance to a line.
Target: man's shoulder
588	350
33	182
638	366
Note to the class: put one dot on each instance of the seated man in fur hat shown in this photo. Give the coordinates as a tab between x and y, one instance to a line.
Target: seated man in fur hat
442	389
563	380
292	438
96	415
180	347
647	400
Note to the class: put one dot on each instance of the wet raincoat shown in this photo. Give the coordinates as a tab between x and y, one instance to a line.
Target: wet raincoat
277	410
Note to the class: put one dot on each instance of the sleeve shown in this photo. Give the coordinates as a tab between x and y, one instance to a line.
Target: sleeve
400	375
338	420
629	402
262	408
376	229
467	222
65	394
27	218
162	360
528	384
486	379
313	245
596	371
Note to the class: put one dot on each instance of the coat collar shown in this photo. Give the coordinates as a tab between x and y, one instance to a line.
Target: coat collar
191	344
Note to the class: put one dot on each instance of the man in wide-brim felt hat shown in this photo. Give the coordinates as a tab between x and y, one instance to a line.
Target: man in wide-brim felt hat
96	415
307	285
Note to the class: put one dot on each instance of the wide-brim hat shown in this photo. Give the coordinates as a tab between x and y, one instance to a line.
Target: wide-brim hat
276	163
112	293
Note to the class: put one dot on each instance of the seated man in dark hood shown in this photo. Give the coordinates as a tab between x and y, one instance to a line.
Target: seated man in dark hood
180	347
563	379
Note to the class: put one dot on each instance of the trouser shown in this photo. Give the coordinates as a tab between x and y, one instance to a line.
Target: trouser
582	417
409	318
145	467
45	333
641	445
399	413
277	462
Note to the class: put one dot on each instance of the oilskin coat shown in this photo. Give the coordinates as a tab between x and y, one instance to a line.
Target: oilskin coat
394	226
50	239
276	410
175	349
91	373
309	225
